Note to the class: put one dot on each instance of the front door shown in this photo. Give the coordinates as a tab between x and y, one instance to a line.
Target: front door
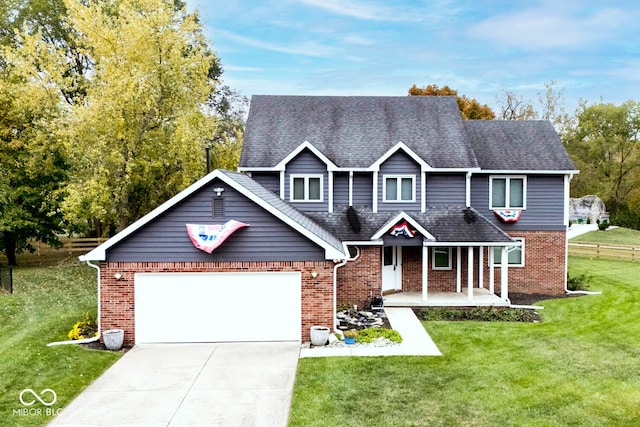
391	268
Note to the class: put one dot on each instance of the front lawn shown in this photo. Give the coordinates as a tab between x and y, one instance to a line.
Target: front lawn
47	301
579	366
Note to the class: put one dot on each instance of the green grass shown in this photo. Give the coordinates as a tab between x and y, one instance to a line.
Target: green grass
618	235
45	305
580	366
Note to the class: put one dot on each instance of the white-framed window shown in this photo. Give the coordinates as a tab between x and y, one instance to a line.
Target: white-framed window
507	192
306	188
441	259
399	188
515	256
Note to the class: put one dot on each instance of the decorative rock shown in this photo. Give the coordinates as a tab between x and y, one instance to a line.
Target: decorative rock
587	207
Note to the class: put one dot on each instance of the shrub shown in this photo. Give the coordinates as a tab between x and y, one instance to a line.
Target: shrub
370	334
484	314
579	282
86	328
603	225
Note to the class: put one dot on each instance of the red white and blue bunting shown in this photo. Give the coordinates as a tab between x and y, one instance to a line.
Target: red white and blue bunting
402	230
208	237
507	215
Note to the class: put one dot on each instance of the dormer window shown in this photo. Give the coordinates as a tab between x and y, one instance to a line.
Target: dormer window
306	188
399	188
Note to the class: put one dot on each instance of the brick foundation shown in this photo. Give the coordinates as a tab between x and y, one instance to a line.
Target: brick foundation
117	296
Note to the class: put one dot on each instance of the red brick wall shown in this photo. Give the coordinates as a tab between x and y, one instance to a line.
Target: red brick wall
412	269
359	279
117	296
543	273
544	270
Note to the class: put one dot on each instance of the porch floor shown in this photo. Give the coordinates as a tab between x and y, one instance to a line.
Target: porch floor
481	297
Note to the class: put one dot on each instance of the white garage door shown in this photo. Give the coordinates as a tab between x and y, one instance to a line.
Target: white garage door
217	307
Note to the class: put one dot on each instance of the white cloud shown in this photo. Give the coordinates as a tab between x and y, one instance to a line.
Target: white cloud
545	28
305	49
363	10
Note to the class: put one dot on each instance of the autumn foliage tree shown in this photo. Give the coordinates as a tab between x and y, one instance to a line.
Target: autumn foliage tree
33	161
470	108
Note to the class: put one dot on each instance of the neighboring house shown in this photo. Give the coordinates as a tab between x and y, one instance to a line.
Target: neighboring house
338	200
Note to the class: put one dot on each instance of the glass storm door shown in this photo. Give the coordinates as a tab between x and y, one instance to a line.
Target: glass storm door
391	268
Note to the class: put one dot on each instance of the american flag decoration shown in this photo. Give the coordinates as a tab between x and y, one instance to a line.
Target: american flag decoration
402	230
508	216
208	237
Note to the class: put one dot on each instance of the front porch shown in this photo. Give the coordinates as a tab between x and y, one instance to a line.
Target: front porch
481	298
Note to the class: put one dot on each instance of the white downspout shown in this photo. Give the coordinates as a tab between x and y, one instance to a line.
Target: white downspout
340	263
86	340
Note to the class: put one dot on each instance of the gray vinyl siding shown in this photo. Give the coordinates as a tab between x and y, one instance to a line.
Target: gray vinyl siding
306	163
399	164
166	240
269	180
446	189
341	189
545	203
363	189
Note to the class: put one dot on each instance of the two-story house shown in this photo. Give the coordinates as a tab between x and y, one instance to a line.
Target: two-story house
338	200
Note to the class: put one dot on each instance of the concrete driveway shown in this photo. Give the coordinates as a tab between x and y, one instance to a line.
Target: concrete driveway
230	384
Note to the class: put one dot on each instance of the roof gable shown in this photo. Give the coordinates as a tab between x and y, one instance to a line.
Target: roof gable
250	189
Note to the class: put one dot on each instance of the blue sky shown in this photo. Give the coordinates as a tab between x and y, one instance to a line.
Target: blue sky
383	47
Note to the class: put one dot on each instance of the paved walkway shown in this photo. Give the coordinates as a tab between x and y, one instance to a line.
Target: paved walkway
415	340
230	384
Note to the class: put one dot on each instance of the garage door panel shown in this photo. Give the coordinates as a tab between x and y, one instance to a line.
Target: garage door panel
217	307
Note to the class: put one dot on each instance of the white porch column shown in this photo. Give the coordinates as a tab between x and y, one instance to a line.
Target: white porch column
425	272
504	274
492	276
458	269
481	267
470	273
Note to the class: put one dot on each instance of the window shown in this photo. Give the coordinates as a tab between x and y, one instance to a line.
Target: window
441	259
507	192
515	255
399	188
306	188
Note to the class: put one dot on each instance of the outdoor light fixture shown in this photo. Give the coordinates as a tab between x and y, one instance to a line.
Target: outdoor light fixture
314	274
117	276
218	191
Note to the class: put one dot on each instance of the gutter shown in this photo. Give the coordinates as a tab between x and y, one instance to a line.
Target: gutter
86	340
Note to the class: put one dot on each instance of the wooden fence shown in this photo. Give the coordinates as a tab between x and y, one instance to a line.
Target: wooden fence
70	245
605	251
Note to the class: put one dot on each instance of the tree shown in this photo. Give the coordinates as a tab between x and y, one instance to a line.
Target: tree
32	158
552	103
604	143
45	19
513	107
139	135
469	107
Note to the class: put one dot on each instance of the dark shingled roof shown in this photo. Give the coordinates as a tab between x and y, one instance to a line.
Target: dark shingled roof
355	131
446	224
517	145
284	208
